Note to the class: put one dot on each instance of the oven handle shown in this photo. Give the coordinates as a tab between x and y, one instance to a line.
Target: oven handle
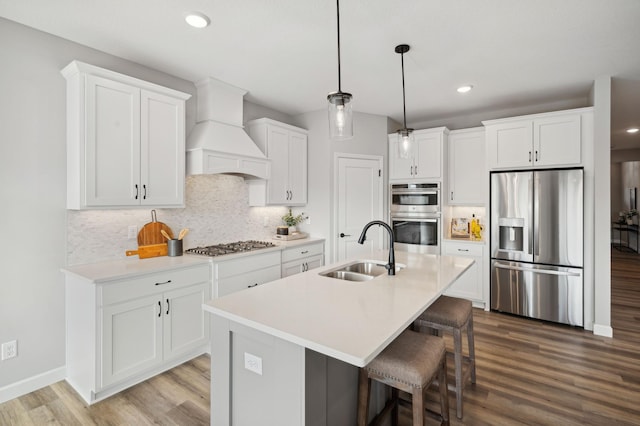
410	192
413	219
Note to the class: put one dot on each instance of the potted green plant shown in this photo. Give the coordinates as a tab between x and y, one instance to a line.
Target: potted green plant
291	221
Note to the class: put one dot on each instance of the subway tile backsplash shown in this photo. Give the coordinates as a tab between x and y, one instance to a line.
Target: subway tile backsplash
217	211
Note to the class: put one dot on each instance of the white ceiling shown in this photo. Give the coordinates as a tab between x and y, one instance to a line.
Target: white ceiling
515	52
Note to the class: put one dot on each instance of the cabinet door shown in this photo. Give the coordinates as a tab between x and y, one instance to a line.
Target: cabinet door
292	268
467	168
297	169
470	284
399	168
185	325
428	156
510	144
278	153
112	145
162	149
131	339
557	140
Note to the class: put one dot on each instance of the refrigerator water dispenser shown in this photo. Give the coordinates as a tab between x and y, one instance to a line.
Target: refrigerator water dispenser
511	233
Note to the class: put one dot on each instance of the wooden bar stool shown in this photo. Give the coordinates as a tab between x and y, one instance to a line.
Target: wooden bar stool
454	315
409	364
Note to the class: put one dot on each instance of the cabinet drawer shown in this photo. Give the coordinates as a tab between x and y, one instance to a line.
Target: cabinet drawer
247	280
458	249
247	263
299	252
151	284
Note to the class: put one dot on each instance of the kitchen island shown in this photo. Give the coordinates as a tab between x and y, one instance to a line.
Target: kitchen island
287	352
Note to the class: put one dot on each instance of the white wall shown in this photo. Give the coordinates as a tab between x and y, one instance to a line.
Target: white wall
370	137
40	236
601	95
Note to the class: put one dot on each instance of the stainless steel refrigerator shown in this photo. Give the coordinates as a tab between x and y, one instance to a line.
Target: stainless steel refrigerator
537	244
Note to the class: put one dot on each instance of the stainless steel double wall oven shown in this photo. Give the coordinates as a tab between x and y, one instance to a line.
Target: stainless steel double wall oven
415	215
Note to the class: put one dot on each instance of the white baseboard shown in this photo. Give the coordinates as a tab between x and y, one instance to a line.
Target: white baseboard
602	330
31	384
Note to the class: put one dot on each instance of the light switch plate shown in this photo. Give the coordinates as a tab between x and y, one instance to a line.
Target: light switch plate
253	363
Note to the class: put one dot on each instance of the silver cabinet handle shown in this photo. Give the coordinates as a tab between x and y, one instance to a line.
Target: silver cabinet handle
463	249
536	155
167	306
252	285
159	309
136	191
451	195
342	235
529	156
304	252
537	271
144	188
166	282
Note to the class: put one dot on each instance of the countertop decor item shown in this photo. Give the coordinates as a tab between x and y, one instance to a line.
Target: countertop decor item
147	251
460	228
290	220
150	233
340	107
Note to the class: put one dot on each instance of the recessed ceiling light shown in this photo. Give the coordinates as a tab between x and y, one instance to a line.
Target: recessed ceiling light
197	19
633	130
464	89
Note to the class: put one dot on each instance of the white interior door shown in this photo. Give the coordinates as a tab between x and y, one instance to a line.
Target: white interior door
359	200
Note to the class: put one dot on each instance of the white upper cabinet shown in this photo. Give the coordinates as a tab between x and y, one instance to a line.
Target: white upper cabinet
425	161
286	147
540	140
467	167
125	140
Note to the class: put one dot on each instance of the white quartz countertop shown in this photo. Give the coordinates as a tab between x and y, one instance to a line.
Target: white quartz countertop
111	270
349	321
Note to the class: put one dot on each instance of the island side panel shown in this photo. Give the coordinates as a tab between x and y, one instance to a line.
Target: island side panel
256	378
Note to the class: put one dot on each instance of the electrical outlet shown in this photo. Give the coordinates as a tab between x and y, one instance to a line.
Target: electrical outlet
132	232
308	220
10	350
253	363
265	221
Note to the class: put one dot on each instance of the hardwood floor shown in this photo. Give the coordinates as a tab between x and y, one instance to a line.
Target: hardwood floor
528	373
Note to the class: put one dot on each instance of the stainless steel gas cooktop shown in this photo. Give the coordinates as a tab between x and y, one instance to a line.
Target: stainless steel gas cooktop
230	248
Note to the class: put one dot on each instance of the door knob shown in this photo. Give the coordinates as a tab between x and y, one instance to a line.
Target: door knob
342	235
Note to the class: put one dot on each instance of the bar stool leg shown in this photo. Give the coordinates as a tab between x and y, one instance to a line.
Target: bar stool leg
472	351
457	358
444	397
417	401
395	395
364	390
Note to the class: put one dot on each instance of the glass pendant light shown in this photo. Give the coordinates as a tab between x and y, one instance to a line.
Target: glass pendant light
340	112
405	135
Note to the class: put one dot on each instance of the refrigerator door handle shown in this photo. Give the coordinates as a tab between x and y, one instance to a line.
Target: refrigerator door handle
537	271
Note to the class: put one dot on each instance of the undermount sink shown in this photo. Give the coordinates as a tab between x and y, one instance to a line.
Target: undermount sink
347	276
361	270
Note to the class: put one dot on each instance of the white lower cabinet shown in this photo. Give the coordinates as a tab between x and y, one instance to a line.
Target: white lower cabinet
245	272
124	331
471	284
302	258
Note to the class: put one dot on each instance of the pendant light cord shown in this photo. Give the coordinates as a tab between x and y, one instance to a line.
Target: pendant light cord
404	107
339	79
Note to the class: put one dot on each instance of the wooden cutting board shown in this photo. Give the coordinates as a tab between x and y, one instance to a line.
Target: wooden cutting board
153	250
150	233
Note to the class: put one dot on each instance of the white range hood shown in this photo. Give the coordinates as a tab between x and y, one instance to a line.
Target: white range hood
218	142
